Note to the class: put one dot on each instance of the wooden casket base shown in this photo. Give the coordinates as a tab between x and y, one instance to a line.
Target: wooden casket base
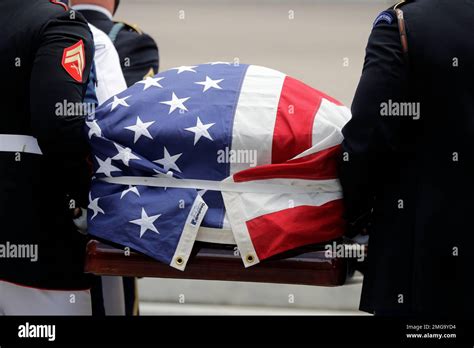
307	266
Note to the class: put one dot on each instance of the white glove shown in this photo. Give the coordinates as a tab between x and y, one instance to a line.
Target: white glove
81	222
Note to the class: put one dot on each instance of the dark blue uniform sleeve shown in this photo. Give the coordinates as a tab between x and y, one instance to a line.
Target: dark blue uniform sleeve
53	89
369	135
51	85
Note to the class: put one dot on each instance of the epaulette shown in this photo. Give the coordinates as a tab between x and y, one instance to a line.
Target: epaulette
129	26
118	26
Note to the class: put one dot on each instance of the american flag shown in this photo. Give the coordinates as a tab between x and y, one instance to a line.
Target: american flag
219	152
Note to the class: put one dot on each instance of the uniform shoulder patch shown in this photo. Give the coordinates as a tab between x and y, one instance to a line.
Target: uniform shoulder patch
74	60
384	17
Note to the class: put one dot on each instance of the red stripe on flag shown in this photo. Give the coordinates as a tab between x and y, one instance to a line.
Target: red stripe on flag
321	165
294	120
291	228
297	109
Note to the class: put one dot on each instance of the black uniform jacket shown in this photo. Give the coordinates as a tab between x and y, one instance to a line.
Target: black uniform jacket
138	52
414	171
45	60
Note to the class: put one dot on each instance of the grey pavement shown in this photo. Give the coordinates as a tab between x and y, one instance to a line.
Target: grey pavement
320	42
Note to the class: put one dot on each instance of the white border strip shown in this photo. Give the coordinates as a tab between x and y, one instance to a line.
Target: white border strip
332	185
233	206
188	236
258	204
216	235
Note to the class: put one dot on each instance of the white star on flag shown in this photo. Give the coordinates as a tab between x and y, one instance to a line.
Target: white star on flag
146	223
200	130
140	128
151	82
210	83
169	162
94	129
185	68
176	103
130	189
106	166
94	206
124	155
118	101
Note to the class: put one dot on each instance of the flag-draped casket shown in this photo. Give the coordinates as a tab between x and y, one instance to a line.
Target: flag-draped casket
218	152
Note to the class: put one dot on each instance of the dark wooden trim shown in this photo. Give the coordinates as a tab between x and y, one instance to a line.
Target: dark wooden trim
309	268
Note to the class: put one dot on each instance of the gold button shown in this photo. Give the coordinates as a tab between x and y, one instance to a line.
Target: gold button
179	260
250	258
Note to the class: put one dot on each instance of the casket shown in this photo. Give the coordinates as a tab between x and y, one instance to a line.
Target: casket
218	153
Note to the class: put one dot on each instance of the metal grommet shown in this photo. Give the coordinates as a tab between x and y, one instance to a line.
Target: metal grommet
250	258
179	260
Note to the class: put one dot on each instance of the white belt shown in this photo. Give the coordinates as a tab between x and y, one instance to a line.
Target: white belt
316	186
19	143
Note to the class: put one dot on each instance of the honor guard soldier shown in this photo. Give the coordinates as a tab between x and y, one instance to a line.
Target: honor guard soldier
138	52
45	60
139	58
408	160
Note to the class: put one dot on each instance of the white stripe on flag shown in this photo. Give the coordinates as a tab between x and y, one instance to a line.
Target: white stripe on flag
258	204
255	115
